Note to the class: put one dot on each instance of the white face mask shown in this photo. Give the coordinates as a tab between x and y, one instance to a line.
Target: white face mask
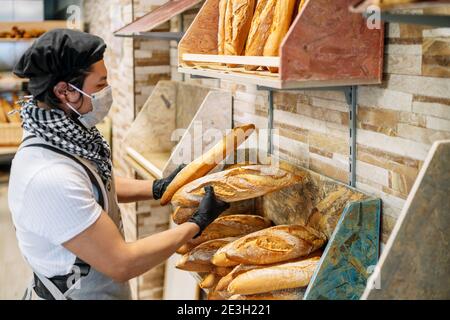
101	104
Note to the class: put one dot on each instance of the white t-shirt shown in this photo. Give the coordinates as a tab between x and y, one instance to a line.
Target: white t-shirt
51	200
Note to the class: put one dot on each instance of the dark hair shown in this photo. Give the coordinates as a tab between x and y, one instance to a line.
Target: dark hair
77	79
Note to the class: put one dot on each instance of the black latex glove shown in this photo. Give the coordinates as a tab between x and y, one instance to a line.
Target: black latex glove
160	186
208	211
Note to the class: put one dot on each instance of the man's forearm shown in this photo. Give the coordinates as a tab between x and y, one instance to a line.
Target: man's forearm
149	252
131	190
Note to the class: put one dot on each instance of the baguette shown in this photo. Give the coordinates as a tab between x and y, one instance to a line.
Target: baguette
228	226
282	19
259	30
222	271
218	295
182	215
226	280
210	281
221	35
289	294
204	164
285	276
199	259
237	184
272	245
239	15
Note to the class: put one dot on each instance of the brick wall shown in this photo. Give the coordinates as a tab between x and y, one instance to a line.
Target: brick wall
397	121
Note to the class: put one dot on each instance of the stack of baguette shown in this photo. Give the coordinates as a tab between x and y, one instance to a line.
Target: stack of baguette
255	32
275	263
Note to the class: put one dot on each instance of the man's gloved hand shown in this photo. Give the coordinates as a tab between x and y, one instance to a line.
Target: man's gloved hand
160	186
208	211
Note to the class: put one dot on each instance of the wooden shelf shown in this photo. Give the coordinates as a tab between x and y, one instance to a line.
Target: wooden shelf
152	162
17	39
28	25
310	56
363	5
400	13
141	27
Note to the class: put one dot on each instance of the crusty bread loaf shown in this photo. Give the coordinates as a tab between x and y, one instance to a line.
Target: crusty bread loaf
236	184
240	269
228	226
210	281
204	164
221	35
199	259
284	276
260	29
272	245
238	19
284	10
222	271
289	294
182	215
218	295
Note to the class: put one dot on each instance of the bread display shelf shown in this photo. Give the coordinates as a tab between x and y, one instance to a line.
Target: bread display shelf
326	46
362	6
434	13
167	117
143	26
349	218
29	25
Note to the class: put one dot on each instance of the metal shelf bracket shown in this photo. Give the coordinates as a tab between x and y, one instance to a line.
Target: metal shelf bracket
351	96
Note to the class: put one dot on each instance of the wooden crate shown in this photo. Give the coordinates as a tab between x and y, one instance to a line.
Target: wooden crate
327	45
349	218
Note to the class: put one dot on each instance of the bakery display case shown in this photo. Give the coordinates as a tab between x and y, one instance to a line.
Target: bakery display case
326	45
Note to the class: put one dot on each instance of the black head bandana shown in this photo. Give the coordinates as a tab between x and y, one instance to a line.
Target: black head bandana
57	54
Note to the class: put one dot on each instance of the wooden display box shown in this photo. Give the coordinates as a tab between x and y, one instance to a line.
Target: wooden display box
327	45
349	218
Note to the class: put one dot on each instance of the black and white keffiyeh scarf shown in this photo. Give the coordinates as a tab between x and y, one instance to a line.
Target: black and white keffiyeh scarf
58	129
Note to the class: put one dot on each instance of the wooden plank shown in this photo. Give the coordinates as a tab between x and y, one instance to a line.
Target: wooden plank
326	42
240	60
415	262
27	25
265	79
157	17
141	171
201	37
154	163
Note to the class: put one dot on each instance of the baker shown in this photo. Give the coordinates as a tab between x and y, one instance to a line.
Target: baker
63	194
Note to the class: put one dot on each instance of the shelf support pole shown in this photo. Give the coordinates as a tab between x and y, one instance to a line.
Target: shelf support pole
270	124
351	95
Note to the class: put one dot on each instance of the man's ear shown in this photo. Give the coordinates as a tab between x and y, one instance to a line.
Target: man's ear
61	91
